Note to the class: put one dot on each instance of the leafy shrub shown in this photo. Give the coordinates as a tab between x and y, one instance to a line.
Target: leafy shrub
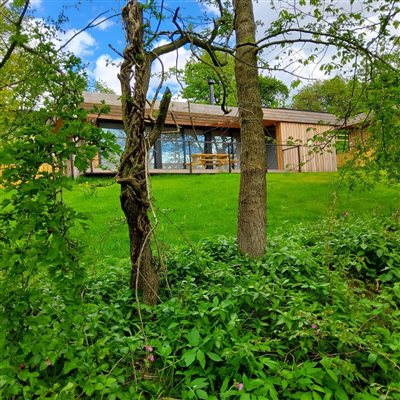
301	323
368	250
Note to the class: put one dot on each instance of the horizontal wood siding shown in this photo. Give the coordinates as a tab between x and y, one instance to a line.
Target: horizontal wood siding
311	162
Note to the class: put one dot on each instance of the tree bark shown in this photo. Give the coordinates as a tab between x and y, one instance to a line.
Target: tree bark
132	172
252	195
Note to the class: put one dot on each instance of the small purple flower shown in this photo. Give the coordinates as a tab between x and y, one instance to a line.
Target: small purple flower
151	358
314	326
239	386
148	348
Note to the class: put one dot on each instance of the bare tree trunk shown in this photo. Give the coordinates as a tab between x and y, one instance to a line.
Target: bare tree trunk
252	195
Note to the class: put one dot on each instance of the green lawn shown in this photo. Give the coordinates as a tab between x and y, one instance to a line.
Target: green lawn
194	207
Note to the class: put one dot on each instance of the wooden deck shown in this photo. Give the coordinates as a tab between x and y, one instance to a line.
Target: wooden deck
195	171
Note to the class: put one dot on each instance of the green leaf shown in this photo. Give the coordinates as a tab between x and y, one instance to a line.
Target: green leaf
69	386
201	358
166	351
202	394
214	356
271	364
194	337
372	358
99	386
272	392
199	383
341	395
189	357
254	384
225	384
332	375
396	290
70	365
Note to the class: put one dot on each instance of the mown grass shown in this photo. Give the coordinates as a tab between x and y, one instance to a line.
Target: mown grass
190	208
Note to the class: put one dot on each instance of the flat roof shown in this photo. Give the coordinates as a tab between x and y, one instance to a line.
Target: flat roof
186	113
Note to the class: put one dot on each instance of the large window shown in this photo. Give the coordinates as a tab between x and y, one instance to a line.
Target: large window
117	129
171	151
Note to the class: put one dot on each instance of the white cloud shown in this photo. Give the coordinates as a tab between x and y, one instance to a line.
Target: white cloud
36	3
175	59
210	10
106	70
108	23
82	45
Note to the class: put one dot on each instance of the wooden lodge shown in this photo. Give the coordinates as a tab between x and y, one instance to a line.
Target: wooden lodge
196	132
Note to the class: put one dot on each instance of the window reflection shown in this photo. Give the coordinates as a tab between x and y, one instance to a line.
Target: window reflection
171	151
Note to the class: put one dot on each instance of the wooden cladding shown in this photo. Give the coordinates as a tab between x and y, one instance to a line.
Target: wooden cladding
314	156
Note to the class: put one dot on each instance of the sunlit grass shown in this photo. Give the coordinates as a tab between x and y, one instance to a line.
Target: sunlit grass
190	208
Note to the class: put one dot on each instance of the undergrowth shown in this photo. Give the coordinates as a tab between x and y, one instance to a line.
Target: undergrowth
316	318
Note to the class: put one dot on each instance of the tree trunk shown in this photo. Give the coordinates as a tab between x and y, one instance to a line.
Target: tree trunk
252	195
132	172
135	204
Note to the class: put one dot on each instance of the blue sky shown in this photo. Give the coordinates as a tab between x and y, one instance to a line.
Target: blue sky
92	45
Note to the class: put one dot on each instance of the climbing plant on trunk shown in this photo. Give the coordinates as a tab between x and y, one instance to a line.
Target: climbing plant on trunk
135	73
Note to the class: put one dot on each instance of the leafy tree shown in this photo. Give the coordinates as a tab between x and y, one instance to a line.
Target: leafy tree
369	105
335	95
12	16
43	130
321	26
200	69
274	92
375	150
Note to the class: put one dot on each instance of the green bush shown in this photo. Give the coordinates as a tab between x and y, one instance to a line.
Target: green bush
296	325
302	323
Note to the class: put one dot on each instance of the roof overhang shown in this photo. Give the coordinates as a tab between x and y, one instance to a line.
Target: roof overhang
202	115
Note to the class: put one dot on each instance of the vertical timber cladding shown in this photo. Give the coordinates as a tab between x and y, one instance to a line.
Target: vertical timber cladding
311	161
279	142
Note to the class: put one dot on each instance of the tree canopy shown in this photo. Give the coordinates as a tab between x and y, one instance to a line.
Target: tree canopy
375	133
334	95
200	69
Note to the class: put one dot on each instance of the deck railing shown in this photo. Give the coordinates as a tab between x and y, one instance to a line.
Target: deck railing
177	155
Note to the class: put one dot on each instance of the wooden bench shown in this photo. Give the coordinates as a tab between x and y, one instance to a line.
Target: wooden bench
217	160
